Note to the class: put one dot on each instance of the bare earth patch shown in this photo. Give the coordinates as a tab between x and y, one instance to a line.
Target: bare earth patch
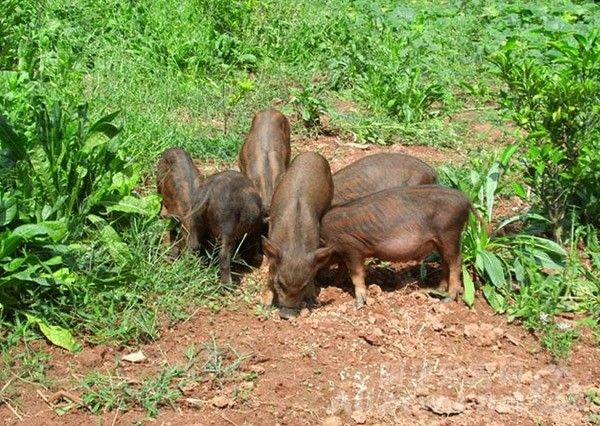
405	359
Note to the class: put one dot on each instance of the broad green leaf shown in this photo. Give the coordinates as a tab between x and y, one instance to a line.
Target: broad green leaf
59	336
93	141
55	230
491	183
9	243
494	298
519	190
147	206
493	268
545	260
507	154
469	288
8	209
117	248
104	125
519	271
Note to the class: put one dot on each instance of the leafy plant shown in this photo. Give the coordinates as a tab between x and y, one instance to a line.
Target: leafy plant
498	260
403	95
309	104
555	97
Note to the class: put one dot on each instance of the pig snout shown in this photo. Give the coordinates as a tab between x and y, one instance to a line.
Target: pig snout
288	313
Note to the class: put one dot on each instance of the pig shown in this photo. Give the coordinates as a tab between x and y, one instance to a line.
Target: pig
177	181
377	172
292	248
265	154
228	207
398	224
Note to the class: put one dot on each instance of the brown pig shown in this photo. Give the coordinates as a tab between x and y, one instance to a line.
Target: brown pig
177	181
301	198
228	209
266	152
377	172
399	224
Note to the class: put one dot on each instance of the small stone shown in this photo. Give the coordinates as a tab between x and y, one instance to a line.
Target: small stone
371	319
343	308
491	367
471	330
135	357
437	325
472	398
443	405
422	392
452	331
502	408
440	308
415	409
518	396
304	313
498	332
247	385
257	369
417	295
332	421
527	378
221	401
359	417
375	290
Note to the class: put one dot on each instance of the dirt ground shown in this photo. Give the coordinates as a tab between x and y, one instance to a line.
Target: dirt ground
407	358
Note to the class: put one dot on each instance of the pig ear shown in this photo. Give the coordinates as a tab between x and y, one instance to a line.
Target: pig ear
271	250
322	255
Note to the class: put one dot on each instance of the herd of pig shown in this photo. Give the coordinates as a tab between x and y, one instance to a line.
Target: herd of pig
304	219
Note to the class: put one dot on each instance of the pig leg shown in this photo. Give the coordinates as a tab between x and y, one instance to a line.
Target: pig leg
310	295
452	261
225	258
443	286
357	274
193	237
267	295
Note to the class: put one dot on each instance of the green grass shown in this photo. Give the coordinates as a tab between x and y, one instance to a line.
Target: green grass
107	391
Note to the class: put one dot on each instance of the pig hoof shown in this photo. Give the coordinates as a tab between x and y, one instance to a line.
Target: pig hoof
360	303
287	313
313	303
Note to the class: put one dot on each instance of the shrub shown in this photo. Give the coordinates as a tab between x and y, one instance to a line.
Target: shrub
553	93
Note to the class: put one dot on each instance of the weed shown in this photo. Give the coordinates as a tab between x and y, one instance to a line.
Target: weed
309	104
555	97
221	363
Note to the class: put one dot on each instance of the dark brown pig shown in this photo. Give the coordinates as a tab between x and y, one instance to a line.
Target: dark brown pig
177	181
266	152
399	224
377	172
228	208
300	200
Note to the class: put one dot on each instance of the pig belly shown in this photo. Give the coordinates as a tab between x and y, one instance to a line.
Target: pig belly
404	249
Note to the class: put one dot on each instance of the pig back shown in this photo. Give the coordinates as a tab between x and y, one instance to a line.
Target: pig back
265	154
228	200
377	172
270	131
425	209
177	181
308	181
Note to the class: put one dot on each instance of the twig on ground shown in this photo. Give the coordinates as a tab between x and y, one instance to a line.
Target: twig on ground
228	420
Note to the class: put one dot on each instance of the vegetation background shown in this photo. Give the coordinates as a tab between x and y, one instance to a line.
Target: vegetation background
91	94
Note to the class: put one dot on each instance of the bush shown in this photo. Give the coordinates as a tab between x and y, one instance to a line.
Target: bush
501	263
553	93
